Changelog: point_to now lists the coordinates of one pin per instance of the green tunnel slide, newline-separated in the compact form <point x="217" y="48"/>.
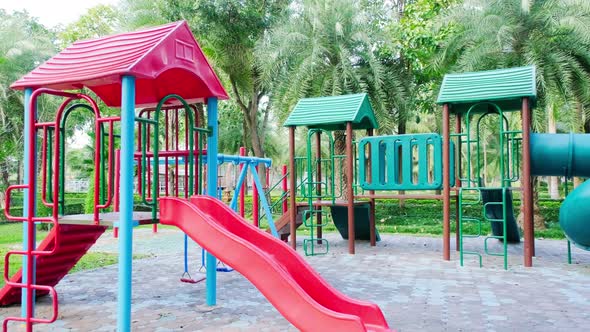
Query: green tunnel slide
<point x="567" y="155"/>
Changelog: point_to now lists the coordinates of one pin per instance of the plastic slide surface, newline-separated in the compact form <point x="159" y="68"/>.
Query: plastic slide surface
<point x="74" y="242"/>
<point x="289" y="283"/>
<point x="574" y="216"/>
<point x="567" y="155"/>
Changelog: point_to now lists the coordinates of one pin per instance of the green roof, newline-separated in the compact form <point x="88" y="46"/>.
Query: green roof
<point x="332" y="113"/>
<point x="503" y="87"/>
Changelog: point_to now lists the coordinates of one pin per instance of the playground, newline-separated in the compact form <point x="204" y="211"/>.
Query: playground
<point x="157" y="162"/>
<point x="415" y="289"/>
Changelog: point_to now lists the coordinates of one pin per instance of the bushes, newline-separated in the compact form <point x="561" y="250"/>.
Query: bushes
<point x="425" y="217"/>
<point x="74" y="205"/>
<point x="416" y="217"/>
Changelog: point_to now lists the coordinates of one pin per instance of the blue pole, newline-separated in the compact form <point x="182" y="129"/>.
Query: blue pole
<point x="126" y="203"/>
<point x="234" y="201"/>
<point x="27" y="166"/>
<point x="185" y="253"/>
<point x="212" y="191"/>
<point x="263" y="200"/>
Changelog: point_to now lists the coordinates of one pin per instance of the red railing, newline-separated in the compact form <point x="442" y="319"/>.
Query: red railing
<point x="30" y="198"/>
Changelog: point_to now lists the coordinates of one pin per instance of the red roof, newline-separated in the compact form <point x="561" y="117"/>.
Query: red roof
<point x="165" y="59"/>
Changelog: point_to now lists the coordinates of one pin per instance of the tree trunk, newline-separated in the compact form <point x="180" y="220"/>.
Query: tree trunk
<point x="526" y="5"/>
<point x="581" y="128"/>
<point x="401" y="130"/>
<point x="553" y="183"/>
<point x="538" y="219"/>
<point x="252" y="128"/>
<point x="339" y="170"/>
<point x="18" y="172"/>
<point x="5" y="175"/>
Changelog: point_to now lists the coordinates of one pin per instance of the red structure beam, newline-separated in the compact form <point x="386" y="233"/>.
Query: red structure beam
<point x="349" y="189"/>
<point x="527" y="188"/>
<point x="292" y="204"/>
<point x="446" y="185"/>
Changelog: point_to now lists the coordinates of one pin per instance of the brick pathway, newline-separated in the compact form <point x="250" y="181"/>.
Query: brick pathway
<point x="404" y="275"/>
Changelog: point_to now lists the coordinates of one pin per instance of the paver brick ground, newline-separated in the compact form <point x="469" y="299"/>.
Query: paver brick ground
<point x="404" y="275"/>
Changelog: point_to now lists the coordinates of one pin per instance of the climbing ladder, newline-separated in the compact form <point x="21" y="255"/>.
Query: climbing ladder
<point x="473" y="197"/>
<point x="47" y="263"/>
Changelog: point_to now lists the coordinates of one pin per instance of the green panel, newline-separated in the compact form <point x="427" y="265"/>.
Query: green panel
<point x="385" y="164"/>
<point x="504" y="87"/>
<point x="332" y="113"/>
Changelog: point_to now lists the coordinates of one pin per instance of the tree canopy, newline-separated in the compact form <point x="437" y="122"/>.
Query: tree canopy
<point x="270" y="53"/>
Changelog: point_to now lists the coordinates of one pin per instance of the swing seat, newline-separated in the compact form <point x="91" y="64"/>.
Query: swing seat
<point x="186" y="278"/>
<point x="192" y="281"/>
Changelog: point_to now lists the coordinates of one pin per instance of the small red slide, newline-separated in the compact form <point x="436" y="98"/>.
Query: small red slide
<point x="289" y="283"/>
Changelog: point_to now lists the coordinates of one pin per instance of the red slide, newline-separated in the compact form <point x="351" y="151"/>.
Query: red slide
<point x="74" y="242"/>
<point x="299" y="293"/>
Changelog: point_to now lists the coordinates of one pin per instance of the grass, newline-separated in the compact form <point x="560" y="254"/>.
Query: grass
<point x="11" y="238"/>
<point x="12" y="233"/>
<point x="424" y="218"/>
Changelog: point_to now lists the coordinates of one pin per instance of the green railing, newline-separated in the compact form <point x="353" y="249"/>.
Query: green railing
<point x="471" y="197"/>
<point x="191" y="130"/>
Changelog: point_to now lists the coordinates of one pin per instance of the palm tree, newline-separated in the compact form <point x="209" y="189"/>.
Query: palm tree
<point x="25" y="44"/>
<point x="325" y="48"/>
<point x="553" y="35"/>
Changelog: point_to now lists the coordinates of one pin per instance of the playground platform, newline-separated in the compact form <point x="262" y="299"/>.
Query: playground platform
<point x="106" y="219"/>
<point x="405" y="277"/>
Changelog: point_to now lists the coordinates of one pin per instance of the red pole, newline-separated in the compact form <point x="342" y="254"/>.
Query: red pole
<point x="116" y="206"/>
<point x="243" y="187"/>
<point x="527" y="188"/>
<point x="292" y="203"/>
<point x="255" y="202"/>
<point x="372" y="228"/>
<point x="197" y="158"/>
<point x="186" y="135"/>
<point x="446" y="185"/>
<point x="97" y="160"/>
<point x="176" y="167"/>
<point x="149" y="164"/>
<point x="457" y="178"/>
<point x="284" y="173"/>
<point x="139" y="160"/>
<point x="349" y="189"/>
<point x="166" y="142"/>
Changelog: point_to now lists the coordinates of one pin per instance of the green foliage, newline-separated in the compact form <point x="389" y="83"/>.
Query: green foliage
<point x="98" y="21"/>
<point x="554" y="35"/>
<point x="89" y="200"/>
<point x="227" y="30"/>
<point x="415" y="39"/>
<point x="80" y="162"/>
<point x="230" y="30"/>
<point x="11" y="237"/>
<point x="25" y="44"/>
<point x="231" y="124"/>
<point x="326" y="48"/>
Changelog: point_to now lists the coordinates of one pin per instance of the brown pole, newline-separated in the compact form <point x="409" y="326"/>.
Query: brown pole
<point x="318" y="146"/>
<point x="527" y="193"/>
<point x="372" y="231"/>
<point x="292" y="191"/>
<point x="446" y="185"/>
<point x="349" y="189"/>
<point x="457" y="177"/>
